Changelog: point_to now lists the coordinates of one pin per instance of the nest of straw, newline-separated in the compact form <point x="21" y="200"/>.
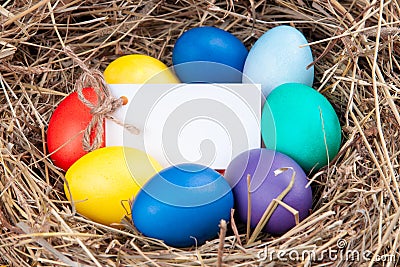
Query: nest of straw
<point x="356" y="45"/>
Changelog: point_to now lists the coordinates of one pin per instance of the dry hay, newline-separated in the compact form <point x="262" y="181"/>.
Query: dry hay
<point x="357" y="47"/>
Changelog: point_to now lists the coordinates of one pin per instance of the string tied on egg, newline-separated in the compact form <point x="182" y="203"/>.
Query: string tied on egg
<point x="103" y="109"/>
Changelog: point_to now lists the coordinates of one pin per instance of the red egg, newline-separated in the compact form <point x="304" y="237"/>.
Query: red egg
<point x="222" y="172"/>
<point x="66" y="128"/>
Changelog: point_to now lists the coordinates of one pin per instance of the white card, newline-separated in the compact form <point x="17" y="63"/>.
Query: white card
<point x="208" y="124"/>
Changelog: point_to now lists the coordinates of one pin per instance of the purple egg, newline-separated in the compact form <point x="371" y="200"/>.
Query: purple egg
<point x="265" y="186"/>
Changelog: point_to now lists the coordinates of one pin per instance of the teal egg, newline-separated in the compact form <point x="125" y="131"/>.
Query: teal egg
<point x="301" y="123"/>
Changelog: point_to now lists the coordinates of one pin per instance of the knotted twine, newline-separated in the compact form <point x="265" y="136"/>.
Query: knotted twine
<point x="105" y="106"/>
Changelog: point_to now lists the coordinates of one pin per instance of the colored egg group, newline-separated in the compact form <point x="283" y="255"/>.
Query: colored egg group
<point x="103" y="182"/>
<point x="183" y="205"/>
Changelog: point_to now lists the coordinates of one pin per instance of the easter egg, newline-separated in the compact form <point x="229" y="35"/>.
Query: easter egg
<point x="66" y="127"/>
<point x="138" y="69"/>
<point x="301" y="123"/>
<point x="183" y="205"/>
<point x="276" y="58"/>
<point x="101" y="183"/>
<point x="210" y="55"/>
<point x="265" y="186"/>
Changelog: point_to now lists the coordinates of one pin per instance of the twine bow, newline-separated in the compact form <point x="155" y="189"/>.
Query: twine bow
<point x="105" y="106"/>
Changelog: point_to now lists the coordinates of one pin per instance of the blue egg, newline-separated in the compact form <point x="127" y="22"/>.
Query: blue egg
<point x="209" y="55"/>
<point x="277" y="58"/>
<point x="183" y="205"/>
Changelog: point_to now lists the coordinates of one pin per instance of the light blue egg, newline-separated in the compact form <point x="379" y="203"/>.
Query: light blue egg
<point x="276" y="58"/>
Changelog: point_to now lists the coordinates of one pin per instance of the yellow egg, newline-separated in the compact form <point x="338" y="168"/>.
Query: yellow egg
<point x="104" y="181"/>
<point x="138" y="69"/>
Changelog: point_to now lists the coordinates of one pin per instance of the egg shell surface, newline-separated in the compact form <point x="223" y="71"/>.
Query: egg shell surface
<point x="276" y="58"/>
<point x="138" y="69"/>
<point x="181" y="203"/>
<point x="209" y="55"/>
<point x="260" y="164"/>
<point x="66" y="127"/>
<point x="102" y="182"/>
<point x="301" y="123"/>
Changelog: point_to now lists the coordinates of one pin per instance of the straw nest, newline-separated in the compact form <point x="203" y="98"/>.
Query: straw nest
<point x="356" y="45"/>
